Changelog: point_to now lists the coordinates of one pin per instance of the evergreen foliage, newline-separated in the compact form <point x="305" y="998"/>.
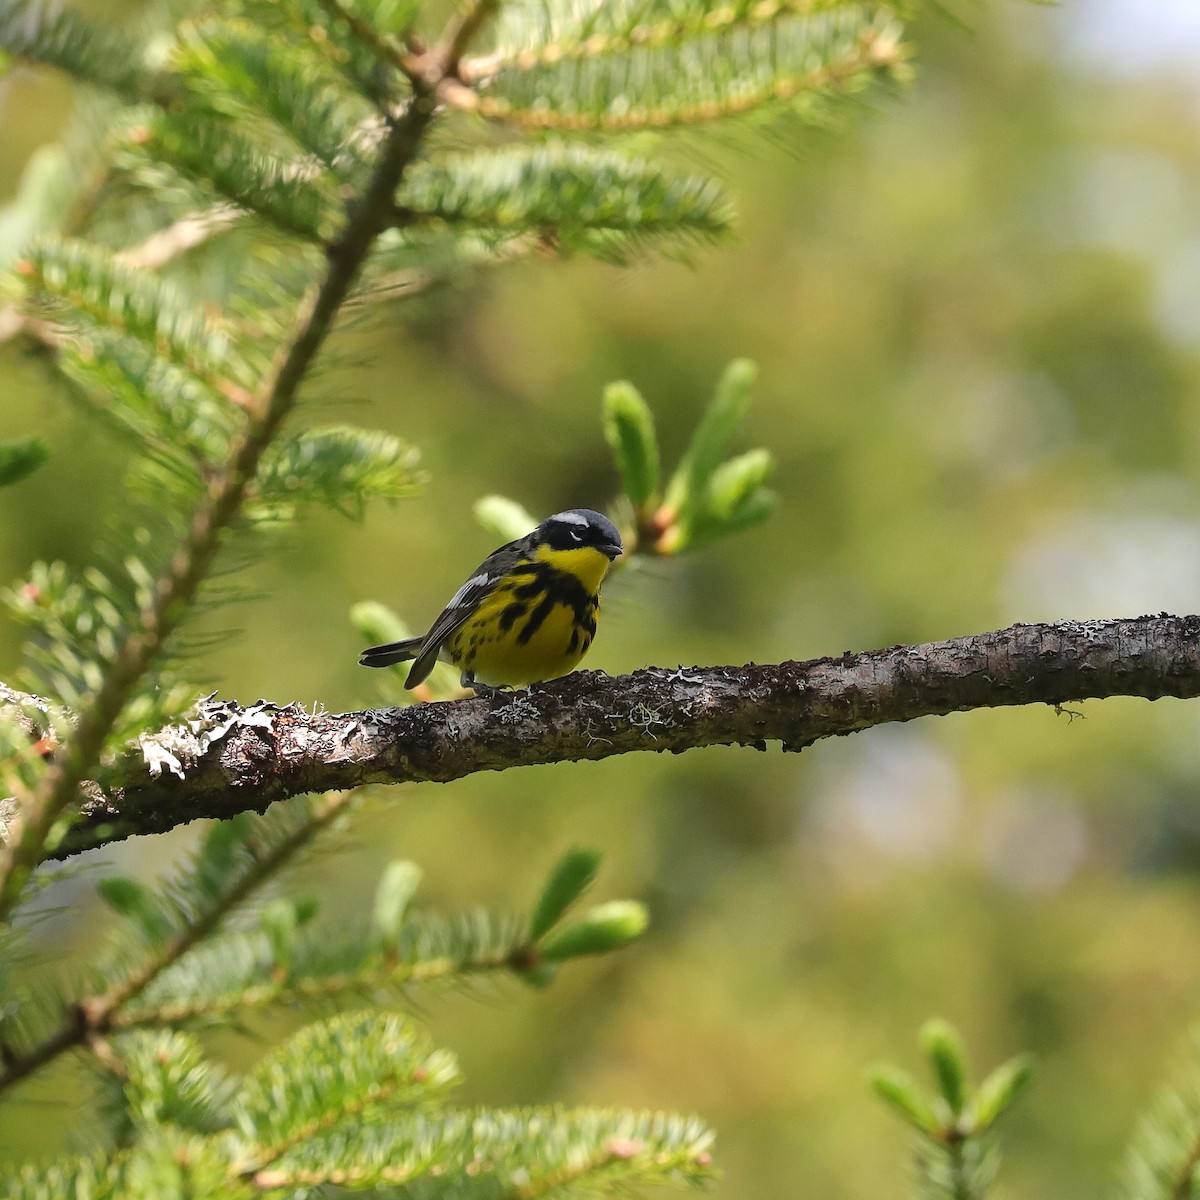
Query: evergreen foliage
<point x="1163" y="1162"/>
<point x="620" y="67"/>
<point x="595" y="201"/>
<point x="58" y="37"/>
<point x="355" y="1101"/>
<point x="956" y="1156"/>
<point x="265" y="162"/>
<point x="355" y="1098"/>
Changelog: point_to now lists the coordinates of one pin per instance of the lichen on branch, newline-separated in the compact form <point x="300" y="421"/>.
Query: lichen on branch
<point x="232" y="759"/>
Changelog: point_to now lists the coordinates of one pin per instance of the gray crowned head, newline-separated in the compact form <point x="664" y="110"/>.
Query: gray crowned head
<point x="579" y="527"/>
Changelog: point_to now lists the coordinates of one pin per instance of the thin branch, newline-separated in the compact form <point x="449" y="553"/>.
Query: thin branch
<point x="182" y="235"/>
<point x="580" y="43"/>
<point x="876" y="49"/>
<point x="575" y="1173"/>
<point x="270" y="1179"/>
<point x="93" y="1017"/>
<point x="460" y="32"/>
<point x="288" y="993"/>
<point x="245" y="758"/>
<point x="384" y="47"/>
<point x="156" y="251"/>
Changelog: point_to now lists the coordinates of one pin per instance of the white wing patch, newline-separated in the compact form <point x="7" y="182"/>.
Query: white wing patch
<point x="472" y="583"/>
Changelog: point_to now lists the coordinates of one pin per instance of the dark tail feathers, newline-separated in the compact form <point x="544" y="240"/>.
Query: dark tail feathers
<point x="393" y="652"/>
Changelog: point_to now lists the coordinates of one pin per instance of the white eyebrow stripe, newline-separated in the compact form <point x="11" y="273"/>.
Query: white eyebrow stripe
<point x="474" y="581"/>
<point x="570" y="518"/>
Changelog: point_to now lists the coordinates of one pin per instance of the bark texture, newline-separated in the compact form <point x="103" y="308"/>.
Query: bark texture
<point x="233" y="758"/>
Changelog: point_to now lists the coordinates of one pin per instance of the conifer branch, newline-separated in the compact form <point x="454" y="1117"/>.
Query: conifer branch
<point x="645" y="90"/>
<point x="643" y="28"/>
<point x="323" y="989"/>
<point x="235" y="759"/>
<point x="101" y="1010"/>
<point x="386" y="49"/>
<point x="110" y="296"/>
<point x="187" y="233"/>
<point x="151" y="254"/>
<point x="91" y="1018"/>
<point x="368" y="216"/>
<point x="559" y="1148"/>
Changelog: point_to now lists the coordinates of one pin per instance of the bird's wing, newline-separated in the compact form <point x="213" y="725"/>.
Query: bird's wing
<point x="461" y="605"/>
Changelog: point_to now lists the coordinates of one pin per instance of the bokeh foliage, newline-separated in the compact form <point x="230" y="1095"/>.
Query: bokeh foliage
<point x="979" y="376"/>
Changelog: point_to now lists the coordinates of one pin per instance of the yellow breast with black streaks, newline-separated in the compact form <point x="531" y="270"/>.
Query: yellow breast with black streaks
<point x="537" y="623"/>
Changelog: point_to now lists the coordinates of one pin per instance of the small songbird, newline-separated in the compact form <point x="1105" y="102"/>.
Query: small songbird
<point x="527" y="613"/>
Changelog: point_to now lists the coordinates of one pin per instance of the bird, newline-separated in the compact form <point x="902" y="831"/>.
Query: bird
<point x="527" y="613"/>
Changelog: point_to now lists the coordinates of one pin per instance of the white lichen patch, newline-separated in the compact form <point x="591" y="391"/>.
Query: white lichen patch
<point x="517" y="711"/>
<point x="594" y="738"/>
<point x="680" y="675"/>
<point x="166" y="750"/>
<point x="218" y="718"/>
<point x="642" y="716"/>
<point x="178" y="746"/>
<point x="1089" y="631"/>
<point x="373" y="721"/>
<point x="347" y="731"/>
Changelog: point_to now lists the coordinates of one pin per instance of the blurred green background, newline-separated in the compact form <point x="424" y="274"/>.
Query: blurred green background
<point x="976" y="310"/>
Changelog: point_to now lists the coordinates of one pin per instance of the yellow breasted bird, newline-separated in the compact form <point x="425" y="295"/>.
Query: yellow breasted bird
<point x="527" y="613"/>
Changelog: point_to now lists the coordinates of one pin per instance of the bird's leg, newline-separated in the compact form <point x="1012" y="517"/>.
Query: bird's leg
<point x="468" y="680"/>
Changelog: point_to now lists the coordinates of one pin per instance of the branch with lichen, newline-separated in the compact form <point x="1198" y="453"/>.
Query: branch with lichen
<point x="368" y="216"/>
<point x="232" y="759"/>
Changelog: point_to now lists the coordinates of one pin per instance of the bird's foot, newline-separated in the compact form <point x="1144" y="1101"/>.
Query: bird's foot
<point x="468" y="680"/>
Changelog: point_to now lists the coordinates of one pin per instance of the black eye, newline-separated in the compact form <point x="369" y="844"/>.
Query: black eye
<point x="578" y="537"/>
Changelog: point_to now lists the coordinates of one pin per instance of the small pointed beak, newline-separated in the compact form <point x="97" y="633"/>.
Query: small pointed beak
<point x="613" y="550"/>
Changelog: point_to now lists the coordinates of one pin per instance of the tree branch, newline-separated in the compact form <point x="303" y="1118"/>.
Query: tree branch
<point x="234" y="759"/>
<point x="176" y="587"/>
<point x="93" y="1017"/>
<point x="367" y="216"/>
